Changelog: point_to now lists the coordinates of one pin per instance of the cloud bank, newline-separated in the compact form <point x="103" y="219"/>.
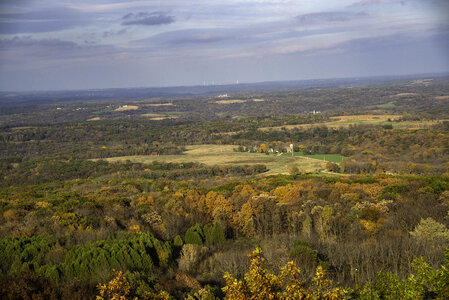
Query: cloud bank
<point x="148" y="43"/>
<point x="148" y="19"/>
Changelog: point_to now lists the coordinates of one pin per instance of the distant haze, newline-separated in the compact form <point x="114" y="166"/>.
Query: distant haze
<point x="54" y="45"/>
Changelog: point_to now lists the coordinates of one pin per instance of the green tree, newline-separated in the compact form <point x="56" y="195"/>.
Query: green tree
<point x="194" y="235"/>
<point x="214" y="233"/>
<point x="177" y="241"/>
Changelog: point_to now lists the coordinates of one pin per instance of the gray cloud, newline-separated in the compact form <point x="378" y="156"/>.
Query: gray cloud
<point x="203" y="38"/>
<point x="148" y="19"/>
<point x="367" y="2"/>
<point x="333" y="16"/>
<point x="110" y="33"/>
<point x="55" y="13"/>
<point x="260" y="37"/>
<point x="196" y="36"/>
<point x="49" y="20"/>
<point x="51" y="48"/>
<point x="235" y="36"/>
<point x="36" y="27"/>
<point x="15" y="3"/>
<point x="437" y="39"/>
<point x="192" y="37"/>
<point x="29" y="42"/>
<point x="442" y="3"/>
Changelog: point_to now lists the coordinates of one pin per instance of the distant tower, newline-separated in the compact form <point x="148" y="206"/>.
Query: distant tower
<point x="237" y="82"/>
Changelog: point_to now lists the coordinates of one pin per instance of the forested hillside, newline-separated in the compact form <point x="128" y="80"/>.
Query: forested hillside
<point x="325" y="193"/>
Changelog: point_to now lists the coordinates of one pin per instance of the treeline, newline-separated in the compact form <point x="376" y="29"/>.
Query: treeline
<point x="102" y="139"/>
<point x="396" y="97"/>
<point x="42" y="171"/>
<point x="371" y="149"/>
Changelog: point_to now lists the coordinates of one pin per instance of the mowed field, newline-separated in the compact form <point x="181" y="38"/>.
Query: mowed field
<point x="225" y="155"/>
<point x="335" y="158"/>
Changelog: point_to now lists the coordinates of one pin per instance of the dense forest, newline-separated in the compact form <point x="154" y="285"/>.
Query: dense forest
<point x="82" y="218"/>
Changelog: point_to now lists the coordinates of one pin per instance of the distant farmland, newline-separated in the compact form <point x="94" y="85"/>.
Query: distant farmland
<point x="225" y="155"/>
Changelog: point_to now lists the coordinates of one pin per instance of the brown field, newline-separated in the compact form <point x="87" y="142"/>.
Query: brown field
<point x="442" y="97"/>
<point x="224" y="155"/>
<point x="258" y="100"/>
<point x="404" y="94"/>
<point x="94" y="119"/>
<point x="158" y="117"/>
<point x="163" y="118"/>
<point x="151" y="115"/>
<point x="127" y="107"/>
<point x="230" y="101"/>
<point x="22" y="127"/>
<point x="159" y="104"/>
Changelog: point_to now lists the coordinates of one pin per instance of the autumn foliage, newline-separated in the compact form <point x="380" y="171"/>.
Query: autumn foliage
<point x="260" y="283"/>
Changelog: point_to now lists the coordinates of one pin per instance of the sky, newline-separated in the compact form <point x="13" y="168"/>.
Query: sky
<point x="88" y="44"/>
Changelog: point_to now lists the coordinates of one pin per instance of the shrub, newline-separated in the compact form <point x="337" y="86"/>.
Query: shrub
<point x="194" y="235"/>
<point x="214" y="233"/>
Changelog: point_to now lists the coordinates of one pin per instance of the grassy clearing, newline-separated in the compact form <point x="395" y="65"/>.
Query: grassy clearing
<point x="404" y="94"/>
<point x="159" y="104"/>
<point x="163" y="116"/>
<point x="335" y="158"/>
<point x="390" y="104"/>
<point x="225" y="155"/>
<point x="127" y="107"/>
<point x="152" y="115"/>
<point x="94" y="119"/>
<point x="383" y="119"/>
<point x="442" y="97"/>
<point x="366" y="118"/>
<point x="344" y="121"/>
<point x="230" y="101"/>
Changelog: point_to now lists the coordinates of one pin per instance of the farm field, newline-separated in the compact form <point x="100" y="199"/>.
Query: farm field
<point x="335" y="158"/>
<point x="343" y="121"/>
<point x="127" y="107"/>
<point x="159" y="104"/>
<point x="346" y="121"/>
<point x="230" y="101"/>
<point x="225" y="155"/>
<point x="161" y="116"/>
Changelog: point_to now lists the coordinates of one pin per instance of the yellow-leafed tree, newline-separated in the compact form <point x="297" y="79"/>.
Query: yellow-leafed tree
<point x="259" y="283"/>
